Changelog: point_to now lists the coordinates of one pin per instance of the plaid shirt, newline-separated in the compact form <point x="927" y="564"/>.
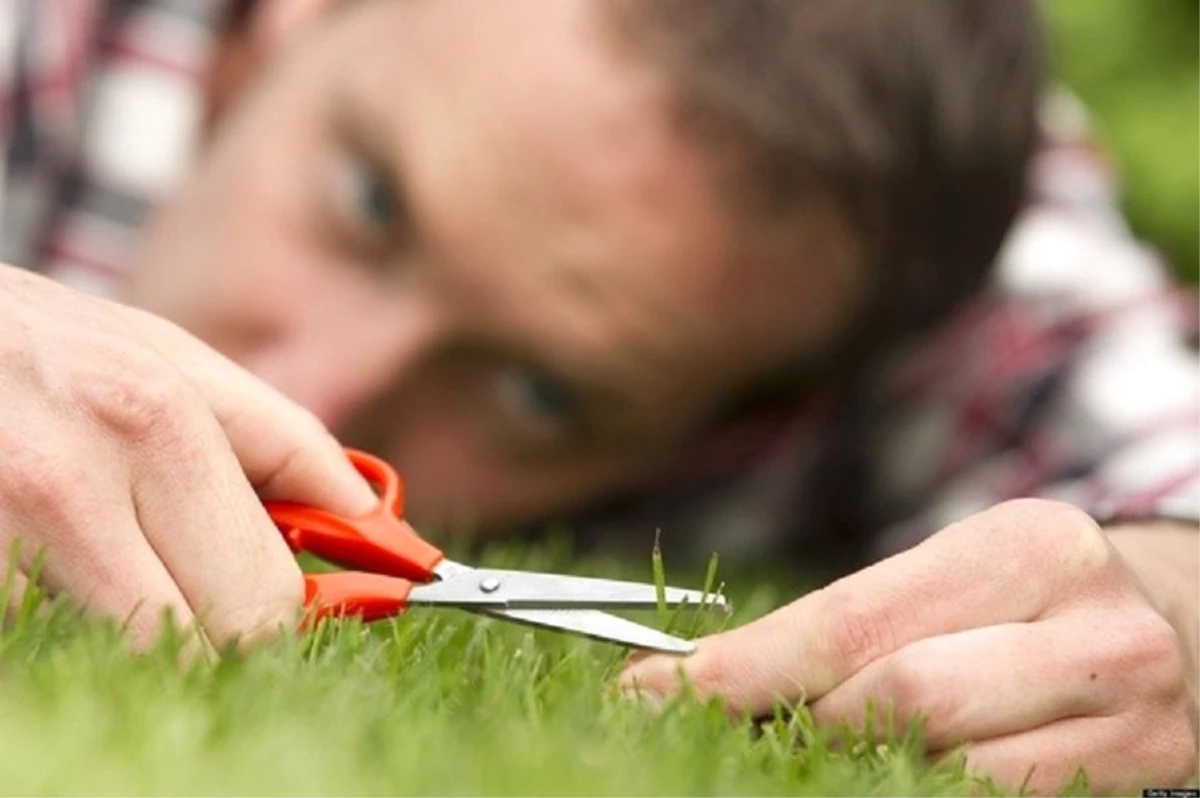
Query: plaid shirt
<point x="100" y="111"/>
<point x="1070" y="377"/>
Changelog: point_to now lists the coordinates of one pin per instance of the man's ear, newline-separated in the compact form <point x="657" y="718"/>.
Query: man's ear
<point x="256" y="31"/>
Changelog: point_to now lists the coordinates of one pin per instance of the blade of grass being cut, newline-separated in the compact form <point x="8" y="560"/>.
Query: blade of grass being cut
<point x="672" y="616"/>
<point x="710" y="579"/>
<point x="660" y="575"/>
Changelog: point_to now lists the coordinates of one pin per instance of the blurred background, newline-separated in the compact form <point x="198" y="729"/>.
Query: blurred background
<point x="1134" y="64"/>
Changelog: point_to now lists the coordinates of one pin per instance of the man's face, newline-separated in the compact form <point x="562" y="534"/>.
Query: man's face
<point x="467" y="236"/>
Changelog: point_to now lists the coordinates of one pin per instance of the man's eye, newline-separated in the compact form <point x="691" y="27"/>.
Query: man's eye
<point x="539" y="405"/>
<point x="368" y="197"/>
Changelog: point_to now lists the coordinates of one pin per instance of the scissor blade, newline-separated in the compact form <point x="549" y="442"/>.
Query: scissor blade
<point x="599" y="626"/>
<point x="589" y="623"/>
<point x="526" y="590"/>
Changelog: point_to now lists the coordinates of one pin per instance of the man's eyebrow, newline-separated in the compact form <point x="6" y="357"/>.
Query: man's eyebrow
<point x="353" y="108"/>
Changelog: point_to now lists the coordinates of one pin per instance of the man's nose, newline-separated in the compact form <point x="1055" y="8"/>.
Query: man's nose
<point x="334" y="370"/>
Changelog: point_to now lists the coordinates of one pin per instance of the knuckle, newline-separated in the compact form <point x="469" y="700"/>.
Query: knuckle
<point x="294" y="465"/>
<point x="135" y="396"/>
<point x="1157" y="638"/>
<point x="262" y="620"/>
<point x="708" y="674"/>
<point x="1141" y="658"/>
<point x="1153" y="651"/>
<point x="904" y="685"/>
<point x="1182" y="765"/>
<point x="311" y="446"/>
<point x="858" y="632"/>
<point x="1058" y="532"/>
<point x="310" y="427"/>
<point x="1077" y="536"/>
<point x="318" y="443"/>
<point x="716" y="672"/>
<point x="1148" y="635"/>
<point x="916" y="686"/>
<point x="1169" y="745"/>
<point x="42" y="480"/>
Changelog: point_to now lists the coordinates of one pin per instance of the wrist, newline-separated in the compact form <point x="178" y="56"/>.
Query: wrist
<point x="1164" y="556"/>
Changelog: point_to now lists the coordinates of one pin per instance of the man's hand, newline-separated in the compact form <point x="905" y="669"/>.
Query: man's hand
<point x="131" y="459"/>
<point x="1019" y="631"/>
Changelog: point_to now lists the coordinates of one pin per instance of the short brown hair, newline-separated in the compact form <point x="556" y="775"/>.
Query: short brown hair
<point x="915" y="117"/>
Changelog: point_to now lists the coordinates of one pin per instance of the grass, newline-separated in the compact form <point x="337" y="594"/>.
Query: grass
<point x="435" y="702"/>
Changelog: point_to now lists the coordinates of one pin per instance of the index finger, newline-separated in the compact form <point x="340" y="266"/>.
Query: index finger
<point x="285" y="452"/>
<point x="1010" y="563"/>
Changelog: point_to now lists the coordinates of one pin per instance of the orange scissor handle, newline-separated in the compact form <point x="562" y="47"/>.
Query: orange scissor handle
<point x="379" y="541"/>
<point x="369" y="596"/>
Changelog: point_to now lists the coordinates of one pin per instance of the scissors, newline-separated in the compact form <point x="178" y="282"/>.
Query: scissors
<point x="395" y="568"/>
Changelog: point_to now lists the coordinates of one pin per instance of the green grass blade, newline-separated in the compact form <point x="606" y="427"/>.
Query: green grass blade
<point x="660" y="575"/>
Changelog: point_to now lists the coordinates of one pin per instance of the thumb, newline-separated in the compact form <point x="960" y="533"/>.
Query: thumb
<point x="290" y="456"/>
<point x="749" y="668"/>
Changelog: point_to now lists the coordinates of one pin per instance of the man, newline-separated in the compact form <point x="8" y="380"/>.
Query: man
<point x="551" y="257"/>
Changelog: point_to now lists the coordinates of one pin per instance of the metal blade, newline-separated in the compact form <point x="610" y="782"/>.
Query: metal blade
<point x="526" y="590"/>
<point x="599" y="626"/>
<point x="589" y="623"/>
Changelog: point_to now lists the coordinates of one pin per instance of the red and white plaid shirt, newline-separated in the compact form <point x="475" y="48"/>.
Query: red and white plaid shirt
<point x="100" y="110"/>
<point x="1071" y="377"/>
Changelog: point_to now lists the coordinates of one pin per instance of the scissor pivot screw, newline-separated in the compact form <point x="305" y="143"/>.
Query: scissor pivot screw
<point x="489" y="585"/>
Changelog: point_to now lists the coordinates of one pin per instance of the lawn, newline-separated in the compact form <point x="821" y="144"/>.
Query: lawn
<point x="435" y="702"/>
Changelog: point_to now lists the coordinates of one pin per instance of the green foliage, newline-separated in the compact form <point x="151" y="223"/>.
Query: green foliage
<point x="435" y="702"/>
<point x="1134" y="64"/>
